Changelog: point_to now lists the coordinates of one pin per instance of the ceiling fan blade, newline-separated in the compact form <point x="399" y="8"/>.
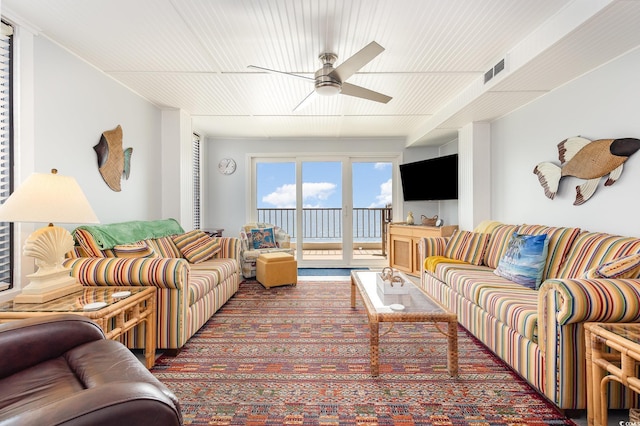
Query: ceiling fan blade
<point x="282" y="72"/>
<point x="306" y="101"/>
<point x="361" y="92"/>
<point x="357" y="61"/>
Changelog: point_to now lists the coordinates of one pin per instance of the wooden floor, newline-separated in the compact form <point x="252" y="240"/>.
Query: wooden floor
<point x="335" y="254"/>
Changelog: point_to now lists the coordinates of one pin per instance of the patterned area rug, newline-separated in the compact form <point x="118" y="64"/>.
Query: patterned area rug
<point x="299" y="355"/>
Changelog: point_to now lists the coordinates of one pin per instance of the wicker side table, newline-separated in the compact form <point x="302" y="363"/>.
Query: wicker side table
<point x="117" y="312"/>
<point x="612" y="354"/>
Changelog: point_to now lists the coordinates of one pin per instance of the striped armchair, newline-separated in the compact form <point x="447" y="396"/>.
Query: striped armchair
<point x="188" y="294"/>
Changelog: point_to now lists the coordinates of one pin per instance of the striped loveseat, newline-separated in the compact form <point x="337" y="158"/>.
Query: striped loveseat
<point x="188" y="292"/>
<point x="539" y="331"/>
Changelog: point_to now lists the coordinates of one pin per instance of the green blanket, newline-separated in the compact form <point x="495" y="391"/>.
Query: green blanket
<point x="111" y="235"/>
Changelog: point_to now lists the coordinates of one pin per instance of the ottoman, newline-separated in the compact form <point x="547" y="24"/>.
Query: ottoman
<point x="275" y="269"/>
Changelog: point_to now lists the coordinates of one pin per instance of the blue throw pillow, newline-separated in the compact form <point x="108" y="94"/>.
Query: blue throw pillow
<point x="524" y="260"/>
<point x="263" y="238"/>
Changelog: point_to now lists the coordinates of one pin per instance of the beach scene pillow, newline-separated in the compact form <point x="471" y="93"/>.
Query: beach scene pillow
<point x="263" y="238"/>
<point x="524" y="260"/>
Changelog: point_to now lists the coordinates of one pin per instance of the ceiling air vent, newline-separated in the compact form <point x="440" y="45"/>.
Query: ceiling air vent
<point x="488" y="75"/>
<point x="497" y="68"/>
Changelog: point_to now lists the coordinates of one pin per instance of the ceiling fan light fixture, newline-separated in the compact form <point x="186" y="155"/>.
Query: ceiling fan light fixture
<point x="325" y="84"/>
<point x="328" y="88"/>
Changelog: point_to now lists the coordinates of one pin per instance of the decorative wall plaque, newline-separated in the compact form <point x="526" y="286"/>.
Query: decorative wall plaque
<point x="114" y="163"/>
<point x="589" y="160"/>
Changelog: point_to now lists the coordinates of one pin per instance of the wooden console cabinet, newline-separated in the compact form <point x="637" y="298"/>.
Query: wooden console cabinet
<point x="403" y="244"/>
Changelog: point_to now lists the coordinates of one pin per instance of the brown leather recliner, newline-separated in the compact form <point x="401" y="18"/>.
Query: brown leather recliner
<point x="60" y="370"/>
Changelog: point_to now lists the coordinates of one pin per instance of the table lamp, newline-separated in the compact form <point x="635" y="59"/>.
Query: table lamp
<point x="48" y="198"/>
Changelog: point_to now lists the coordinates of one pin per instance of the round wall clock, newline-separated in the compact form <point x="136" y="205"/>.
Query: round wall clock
<point x="227" y="166"/>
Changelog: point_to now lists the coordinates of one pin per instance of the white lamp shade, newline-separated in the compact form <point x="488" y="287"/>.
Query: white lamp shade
<point x="48" y="198"/>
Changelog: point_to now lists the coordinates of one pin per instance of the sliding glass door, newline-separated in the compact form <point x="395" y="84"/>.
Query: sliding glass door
<point x="372" y="196"/>
<point x="322" y="237"/>
<point x="335" y="208"/>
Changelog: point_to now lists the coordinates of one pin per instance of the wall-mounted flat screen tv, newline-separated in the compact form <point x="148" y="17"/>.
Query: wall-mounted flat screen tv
<point x="432" y="179"/>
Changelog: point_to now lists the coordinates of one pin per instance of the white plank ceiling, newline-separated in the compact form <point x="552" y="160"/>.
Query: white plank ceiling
<point x="193" y="55"/>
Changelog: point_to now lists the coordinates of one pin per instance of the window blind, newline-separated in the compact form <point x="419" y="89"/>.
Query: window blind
<point x="6" y="132"/>
<point x="196" y="181"/>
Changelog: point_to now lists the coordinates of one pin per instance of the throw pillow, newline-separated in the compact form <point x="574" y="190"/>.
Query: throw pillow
<point x="624" y="267"/>
<point x="524" y="260"/>
<point x="139" y="249"/>
<point x="263" y="238"/>
<point x="467" y="246"/>
<point x="487" y="226"/>
<point x="196" y="246"/>
<point x="85" y="240"/>
<point x="497" y="246"/>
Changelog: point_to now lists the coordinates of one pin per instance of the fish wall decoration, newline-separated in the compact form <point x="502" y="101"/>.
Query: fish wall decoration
<point x="589" y="160"/>
<point x="114" y="163"/>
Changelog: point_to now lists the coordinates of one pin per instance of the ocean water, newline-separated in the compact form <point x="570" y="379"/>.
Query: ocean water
<point x="325" y="225"/>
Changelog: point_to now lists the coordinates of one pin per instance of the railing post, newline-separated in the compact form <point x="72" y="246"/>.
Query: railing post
<point x="383" y="225"/>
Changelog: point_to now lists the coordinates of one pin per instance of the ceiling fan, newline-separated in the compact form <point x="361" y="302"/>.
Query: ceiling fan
<point x="330" y="81"/>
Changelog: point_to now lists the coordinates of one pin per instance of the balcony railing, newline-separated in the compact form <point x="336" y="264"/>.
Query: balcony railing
<point x="369" y="224"/>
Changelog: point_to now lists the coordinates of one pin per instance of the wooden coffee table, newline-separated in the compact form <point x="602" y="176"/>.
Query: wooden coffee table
<point x="118" y="316"/>
<point x="418" y="307"/>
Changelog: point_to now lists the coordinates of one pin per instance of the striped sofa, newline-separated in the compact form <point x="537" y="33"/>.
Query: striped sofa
<point x="538" y="332"/>
<point x="188" y="294"/>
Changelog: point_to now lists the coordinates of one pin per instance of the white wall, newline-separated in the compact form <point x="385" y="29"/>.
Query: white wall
<point x="474" y="173"/>
<point x="73" y="104"/>
<point x="63" y="105"/>
<point x="600" y="105"/>
<point x="177" y="167"/>
<point x="225" y="199"/>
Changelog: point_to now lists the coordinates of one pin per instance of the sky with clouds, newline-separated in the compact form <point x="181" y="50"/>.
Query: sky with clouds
<point x="322" y="185"/>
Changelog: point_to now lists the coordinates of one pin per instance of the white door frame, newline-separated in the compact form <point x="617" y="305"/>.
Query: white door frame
<point x="347" y="160"/>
